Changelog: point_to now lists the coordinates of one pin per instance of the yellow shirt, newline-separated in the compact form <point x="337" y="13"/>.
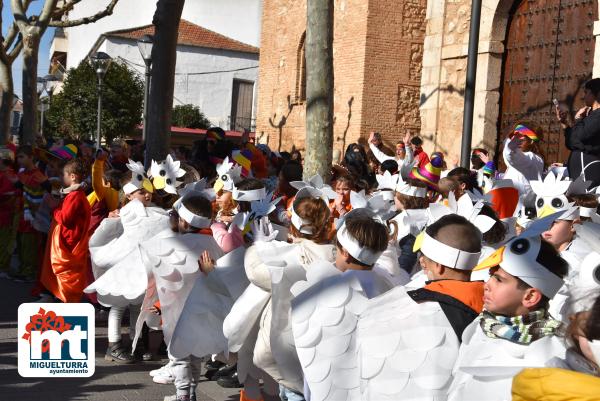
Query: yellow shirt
<point x="552" y="384"/>
<point x="101" y="191"/>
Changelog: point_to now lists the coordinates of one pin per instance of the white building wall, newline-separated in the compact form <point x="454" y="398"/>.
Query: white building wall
<point x="237" y="19"/>
<point x="212" y="93"/>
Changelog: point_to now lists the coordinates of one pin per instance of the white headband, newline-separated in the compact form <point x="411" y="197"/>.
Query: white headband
<point x="129" y="188"/>
<point x="193" y="219"/>
<point x="447" y="255"/>
<point x="249" y="195"/>
<point x="387" y="195"/>
<point x="595" y="346"/>
<point x="362" y="254"/>
<point x="300" y="223"/>
<point x="409" y="190"/>
<point x="586" y="211"/>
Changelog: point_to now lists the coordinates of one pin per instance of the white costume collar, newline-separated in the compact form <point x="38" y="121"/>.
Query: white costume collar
<point x="447" y="255"/>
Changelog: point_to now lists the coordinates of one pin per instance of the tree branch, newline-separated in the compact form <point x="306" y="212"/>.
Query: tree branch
<point x="66" y="7"/>
<point x="47" y="12"/>
<point x="86" y="20"/>
<point x="18" y="10"/>
<point x="14" y="53"/>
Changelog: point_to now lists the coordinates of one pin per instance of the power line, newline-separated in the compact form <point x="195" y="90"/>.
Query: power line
<point x="194" y="73"/>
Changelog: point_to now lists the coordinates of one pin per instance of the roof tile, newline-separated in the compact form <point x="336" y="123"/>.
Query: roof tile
<point x="190" y="35"/>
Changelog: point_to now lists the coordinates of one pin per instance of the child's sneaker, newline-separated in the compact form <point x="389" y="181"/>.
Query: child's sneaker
<point x="163" y="375"/>
<point x="154" y="372"/>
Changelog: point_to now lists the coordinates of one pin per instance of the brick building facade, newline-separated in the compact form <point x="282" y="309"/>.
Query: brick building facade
<point x="401" y="65"/>
<point x="377" y="50"/>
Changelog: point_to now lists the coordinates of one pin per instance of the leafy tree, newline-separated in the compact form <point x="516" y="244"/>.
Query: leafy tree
<point x="189" y="116"/>
<point x="73" y="112"/>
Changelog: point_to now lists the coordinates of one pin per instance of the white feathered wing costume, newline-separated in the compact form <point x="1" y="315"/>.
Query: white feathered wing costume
<point x="354" y="348"/>
<point x="121" y="276"/>
<point x="173" y="262"/>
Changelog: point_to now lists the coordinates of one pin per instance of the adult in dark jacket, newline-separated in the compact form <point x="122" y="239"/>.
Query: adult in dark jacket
<point x="582" y="137"/>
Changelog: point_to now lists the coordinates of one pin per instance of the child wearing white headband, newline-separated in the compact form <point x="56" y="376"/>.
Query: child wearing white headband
<point x="515" y="330"/>
<point x="195" y="214"/>
<point x="411" y="201"/>
<point x="360" y="241"/>
<point x="274" y="266"/>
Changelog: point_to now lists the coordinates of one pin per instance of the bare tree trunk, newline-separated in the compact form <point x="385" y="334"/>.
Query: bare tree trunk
<point x="6" y="101"/>
<point x="30" y="97"/>
<point x="162" y="83"/>
<point x="319" y="88"/>
<point x="32" y="28"/>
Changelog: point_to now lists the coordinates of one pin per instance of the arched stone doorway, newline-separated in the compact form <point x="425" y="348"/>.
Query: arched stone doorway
<point x="444" y="68"/>
<point x="549" y="54"/>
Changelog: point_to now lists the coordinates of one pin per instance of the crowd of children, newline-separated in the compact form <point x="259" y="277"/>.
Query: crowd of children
<point x="404" y="278"/>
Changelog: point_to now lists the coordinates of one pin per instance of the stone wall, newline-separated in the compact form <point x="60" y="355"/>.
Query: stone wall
<point x="444" y="73"/>
<point x="377" y="49"/>
<point x="393" y="68"/>
<point x="281" y="111"/>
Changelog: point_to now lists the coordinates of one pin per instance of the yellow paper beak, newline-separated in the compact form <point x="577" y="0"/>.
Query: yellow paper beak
<point x="493" y="260"/>
<point x="218" y="186"/>
<point x="159" y="182"/>
<point x="546" y="211"/>
<point x="418" y="242"/>
<point x="147" y="185"/>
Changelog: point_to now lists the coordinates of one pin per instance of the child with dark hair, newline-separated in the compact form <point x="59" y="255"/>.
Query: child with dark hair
<point x="466" y="179"/>
<point x="360" y="241"/>
<point x="65" y="274"/>
<point x="421" y="158"/>
<point x="195" y="219"/>
<point x="515" y="329"/>
<point x="343" y="185"/>
<point x="390" y="166"/>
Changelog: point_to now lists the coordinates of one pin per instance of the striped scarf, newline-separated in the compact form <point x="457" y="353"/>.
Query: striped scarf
<point x="522" y="329"/>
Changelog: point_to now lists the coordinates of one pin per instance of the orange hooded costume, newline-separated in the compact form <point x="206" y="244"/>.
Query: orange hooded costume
<point x="64" y="272"/>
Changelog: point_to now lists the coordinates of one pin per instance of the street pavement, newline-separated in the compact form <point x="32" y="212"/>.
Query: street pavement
<point x="110" y="382"/>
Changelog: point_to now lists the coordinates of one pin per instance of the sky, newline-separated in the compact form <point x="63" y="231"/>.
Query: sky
<point x="43" y="61"/>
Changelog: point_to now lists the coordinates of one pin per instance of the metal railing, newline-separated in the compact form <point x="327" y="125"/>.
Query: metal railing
<point x="241" y="123"/>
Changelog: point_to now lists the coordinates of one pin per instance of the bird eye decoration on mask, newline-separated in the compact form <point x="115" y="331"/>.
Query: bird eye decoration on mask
<point x="551" y="194"/>
<point x="164" y="174"/>
<point x="228" y="174"/>
<point x="139" y="179"/>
